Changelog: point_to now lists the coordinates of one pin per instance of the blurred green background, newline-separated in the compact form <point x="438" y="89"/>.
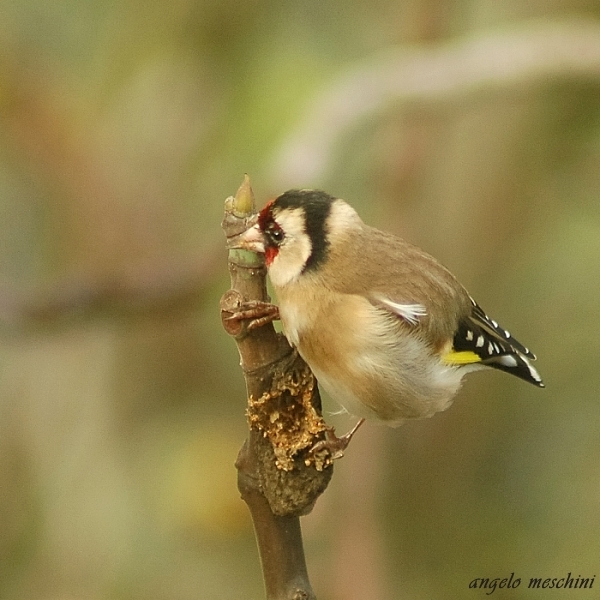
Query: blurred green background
<point x="470" y="127"/>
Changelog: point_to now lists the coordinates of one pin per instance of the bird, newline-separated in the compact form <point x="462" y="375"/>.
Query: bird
<point x="387" y="330"/>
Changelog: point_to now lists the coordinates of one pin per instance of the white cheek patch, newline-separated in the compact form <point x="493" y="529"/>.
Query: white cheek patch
<point x="342" y="219"/>
<point x="295" y="249"/>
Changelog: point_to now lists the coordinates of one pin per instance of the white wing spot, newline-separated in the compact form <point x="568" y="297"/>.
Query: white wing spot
<point x="508" y="360"/>
<point x="409" y="312"/>
<point x="469" y="335"/>
<point x="506" y="334"/>
<point x="480" y="341"/>
<point x="533" y="372"/>
<point x="494" y="323"/>
<point x="490" y="348"/>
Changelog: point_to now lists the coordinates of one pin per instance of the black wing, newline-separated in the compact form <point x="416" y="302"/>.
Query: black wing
<point x="495" y="346"/>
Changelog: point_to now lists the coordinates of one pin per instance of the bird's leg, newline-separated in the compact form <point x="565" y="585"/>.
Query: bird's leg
<point x="257" y="313"/>
<point x="335" y="445"/>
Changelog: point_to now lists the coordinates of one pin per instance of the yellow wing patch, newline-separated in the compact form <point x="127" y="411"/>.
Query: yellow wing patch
<point x="462" y="357"/>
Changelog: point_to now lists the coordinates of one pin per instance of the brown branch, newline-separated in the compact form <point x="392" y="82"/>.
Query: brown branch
<point x="279" y="477"/>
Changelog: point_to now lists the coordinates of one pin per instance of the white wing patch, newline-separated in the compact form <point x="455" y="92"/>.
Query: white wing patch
<point x="411" y="313"/>
<point x="508" y="360"/>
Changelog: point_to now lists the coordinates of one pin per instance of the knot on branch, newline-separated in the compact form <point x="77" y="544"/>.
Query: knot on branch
<point x="287" y="416"/>
<point x="286" y="423"/>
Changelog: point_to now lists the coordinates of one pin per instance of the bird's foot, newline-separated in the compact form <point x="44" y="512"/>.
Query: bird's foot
<point x="256" y="312"/>
<point x="334" y="445"/>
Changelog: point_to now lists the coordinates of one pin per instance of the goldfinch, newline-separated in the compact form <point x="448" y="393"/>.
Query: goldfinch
<point x="388" y="331"/>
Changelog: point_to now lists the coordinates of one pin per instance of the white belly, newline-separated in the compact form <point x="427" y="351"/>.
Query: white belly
<point x="354" y="351"/>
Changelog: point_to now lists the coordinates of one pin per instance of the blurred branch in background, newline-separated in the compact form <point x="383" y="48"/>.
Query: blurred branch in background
<point x="484" y="64"/>
<point x="529" y="55"/>
<point x="142" y="289"/>
<point x="468" y="128"/>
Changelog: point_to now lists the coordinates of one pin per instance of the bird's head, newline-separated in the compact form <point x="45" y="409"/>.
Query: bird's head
<point x="294" y="232"/>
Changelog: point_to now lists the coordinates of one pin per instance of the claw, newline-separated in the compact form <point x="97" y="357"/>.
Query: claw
<point x="334" y="445"/>
<point x="257" y="313"/>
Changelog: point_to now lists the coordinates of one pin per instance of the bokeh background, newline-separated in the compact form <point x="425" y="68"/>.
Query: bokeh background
<point x="470" y="127"/>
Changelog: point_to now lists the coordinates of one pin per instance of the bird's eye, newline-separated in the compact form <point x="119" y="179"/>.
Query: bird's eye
<point x="275" y="233"/>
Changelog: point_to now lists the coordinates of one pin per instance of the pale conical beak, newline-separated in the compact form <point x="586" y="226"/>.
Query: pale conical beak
<point x="252" y="239"/>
